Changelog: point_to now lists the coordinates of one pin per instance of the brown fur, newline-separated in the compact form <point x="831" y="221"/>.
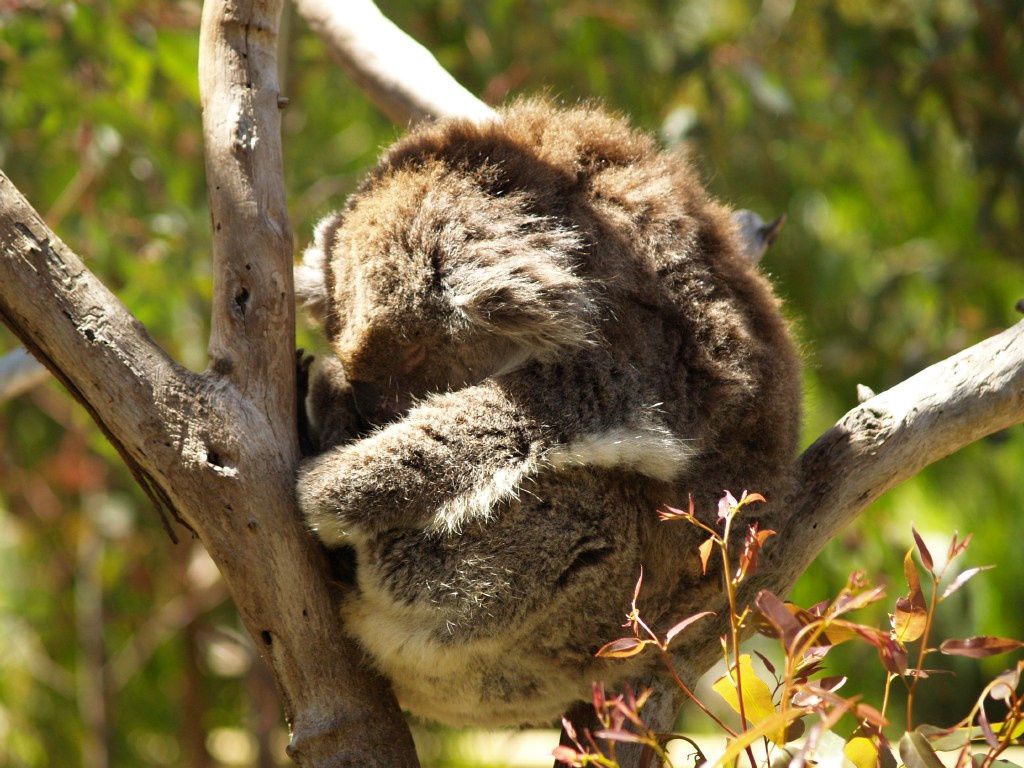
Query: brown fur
<point x="555" y="330"/>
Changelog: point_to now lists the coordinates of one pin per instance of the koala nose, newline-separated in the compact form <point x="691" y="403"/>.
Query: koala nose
<point x="372" y="406"/>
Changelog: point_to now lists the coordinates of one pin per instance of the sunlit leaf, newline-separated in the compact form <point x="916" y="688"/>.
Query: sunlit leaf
<point x="671" y="513"/>
<point x="567" y="755"/>
<point x="778" y="722"/>
<point x="757" y="696"/>
<point x="705" y="555"/>
<point x="752" y="546"/>
<point x="639" y="583"/>
<point x="909" y="621"/>
<point x="684" y="624"/>
<point x="979" y="647"/>
<point x="963" y="578"/>
<point x="622" y="648"/>
<point x="833" y="683"/>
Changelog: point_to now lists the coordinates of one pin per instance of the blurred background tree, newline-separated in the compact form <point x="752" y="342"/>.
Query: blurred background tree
<point x="890" y="133"/>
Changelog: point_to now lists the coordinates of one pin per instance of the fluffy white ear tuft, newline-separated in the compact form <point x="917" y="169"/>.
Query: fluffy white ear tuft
<point x="310" y="275"/>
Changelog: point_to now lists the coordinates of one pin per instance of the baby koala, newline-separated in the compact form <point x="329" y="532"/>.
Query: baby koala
<point x="544" y="330"/>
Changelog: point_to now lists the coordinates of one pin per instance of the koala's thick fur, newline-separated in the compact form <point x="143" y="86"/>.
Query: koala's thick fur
<point x="545" y="329"/>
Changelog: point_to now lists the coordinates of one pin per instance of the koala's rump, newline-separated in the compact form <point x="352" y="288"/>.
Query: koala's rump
<point x="498" y="624"/>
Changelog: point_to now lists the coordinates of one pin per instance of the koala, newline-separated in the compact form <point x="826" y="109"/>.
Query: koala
<point x="543" y="330"/>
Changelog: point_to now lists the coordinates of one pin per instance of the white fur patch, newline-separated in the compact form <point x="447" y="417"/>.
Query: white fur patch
<point x="652" y="451"/>
<point x="502" y="485"/>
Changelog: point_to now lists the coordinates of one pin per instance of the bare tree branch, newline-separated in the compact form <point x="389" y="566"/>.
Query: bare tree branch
<point x="399" y="75"/>
<point x="893" y="436"/>
<point x="872" y="449"/>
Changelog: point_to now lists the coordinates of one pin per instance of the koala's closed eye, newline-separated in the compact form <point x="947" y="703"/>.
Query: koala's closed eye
<point x="544" y="329"/>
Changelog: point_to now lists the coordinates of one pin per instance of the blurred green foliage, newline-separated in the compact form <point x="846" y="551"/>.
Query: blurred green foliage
<point x="890" y="133"/>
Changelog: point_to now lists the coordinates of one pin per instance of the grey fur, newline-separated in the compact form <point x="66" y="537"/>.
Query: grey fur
<point x="544" y="330"/>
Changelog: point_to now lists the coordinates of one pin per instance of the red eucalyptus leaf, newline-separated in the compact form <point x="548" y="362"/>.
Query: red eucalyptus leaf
<point x="597" y="697"/>
<point x="767" y="664"/>
<point x="779" y="616"/>
<point x="852" y="601"/>
<point x="916" y="596"/>
<point x="922" y="550"/>
<point x="955" y="548"/>
<point x="979" y="647"/>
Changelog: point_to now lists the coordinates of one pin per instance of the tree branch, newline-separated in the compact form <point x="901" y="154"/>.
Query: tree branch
<point x="400" y="76"/>
<point x="892" y="437"/>
<point x="872" y="449"/>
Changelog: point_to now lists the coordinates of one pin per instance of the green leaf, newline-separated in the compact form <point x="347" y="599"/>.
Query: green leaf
<point x="778" y="722"/>
<point x="917" y="752"/>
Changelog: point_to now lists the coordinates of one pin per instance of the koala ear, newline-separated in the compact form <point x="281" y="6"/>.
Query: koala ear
<point x="311" y="276"/>
<point x="525" y="290"/>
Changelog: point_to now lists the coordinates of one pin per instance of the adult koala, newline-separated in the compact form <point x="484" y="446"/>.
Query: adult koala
<point x="544" y="330"/>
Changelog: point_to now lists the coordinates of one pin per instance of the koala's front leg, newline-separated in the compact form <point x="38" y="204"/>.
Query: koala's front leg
<point x="451" y="459"/>
<point x="331" y="407"/>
